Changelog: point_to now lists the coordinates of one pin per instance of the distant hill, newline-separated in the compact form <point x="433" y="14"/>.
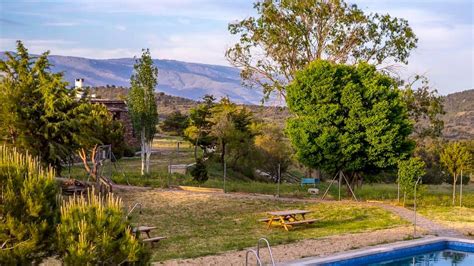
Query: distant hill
<point x="459" y="118"/>
<point x="177" y="78"/>
<point x="459" y="107"/>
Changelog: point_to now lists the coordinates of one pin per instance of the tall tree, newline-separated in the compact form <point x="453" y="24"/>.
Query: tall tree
<point x="287" y="35"/>
<point x="198" y="131"/>
<point x="347" y="118"/>
<point x="455" y="157"/>
<point x="142" y="104"/>
<point x="36" y="106"/>
<point x="274" y="150"/>
<point x="231" y="125"/>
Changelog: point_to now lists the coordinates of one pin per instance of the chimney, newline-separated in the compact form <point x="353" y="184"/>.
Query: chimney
<point x="78" y="86"/>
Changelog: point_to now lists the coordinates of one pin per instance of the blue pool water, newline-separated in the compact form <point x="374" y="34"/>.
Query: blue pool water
<point x="437" y="258"/>
<point x="433" y="254"/>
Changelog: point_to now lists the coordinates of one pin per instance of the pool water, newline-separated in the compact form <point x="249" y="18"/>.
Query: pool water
<point x="432" y="253"/>
<point x="435" y="258"/>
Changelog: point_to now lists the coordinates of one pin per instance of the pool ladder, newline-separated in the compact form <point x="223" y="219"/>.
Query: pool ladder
<point x="256" y="253"/>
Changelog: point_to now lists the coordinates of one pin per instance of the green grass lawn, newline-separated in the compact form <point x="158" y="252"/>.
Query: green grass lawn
<point x="203" y="224"/>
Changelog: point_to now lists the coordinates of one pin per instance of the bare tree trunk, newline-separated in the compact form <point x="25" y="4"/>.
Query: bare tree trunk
<point x="454" y="187"/>
<point x="142" y="153"/>
<point x="196" y="145"/>
<point x="148" y="155"/>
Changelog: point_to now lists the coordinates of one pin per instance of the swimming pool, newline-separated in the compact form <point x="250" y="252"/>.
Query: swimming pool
<point x="432" y="251"/>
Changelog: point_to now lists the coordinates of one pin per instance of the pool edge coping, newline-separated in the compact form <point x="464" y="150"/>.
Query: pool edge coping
<point x="371" y="250"/>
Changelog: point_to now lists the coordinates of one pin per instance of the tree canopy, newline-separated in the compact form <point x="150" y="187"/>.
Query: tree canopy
<point x="36" y="107"/>
<point x="286" y="35"/>
<point x="349" y="118"/>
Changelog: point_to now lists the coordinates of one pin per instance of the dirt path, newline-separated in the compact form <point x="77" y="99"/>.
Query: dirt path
<point x="421" y="221"/>
<point x="305" y="248"/>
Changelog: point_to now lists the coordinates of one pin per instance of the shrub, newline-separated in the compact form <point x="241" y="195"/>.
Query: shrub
<point x="199" y="171"/>
<point x="94" y="230"/>
<point x="408" y="173"/>
<point x="28" y="208"/>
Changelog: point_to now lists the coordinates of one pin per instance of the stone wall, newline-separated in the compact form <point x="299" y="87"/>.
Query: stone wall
<point x="119" y="111"/>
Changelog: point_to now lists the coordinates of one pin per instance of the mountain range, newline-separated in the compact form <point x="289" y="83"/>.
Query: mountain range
<point x="177" y="78"/>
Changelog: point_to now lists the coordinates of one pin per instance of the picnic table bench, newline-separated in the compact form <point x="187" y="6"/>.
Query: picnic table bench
<point x="288" y="218"/>
<point x="146" y="230"/>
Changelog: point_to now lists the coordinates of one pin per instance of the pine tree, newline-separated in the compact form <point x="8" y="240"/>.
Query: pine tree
<point x="35" y="109"/>
<point x="94" y="231"/>
<point x="142" y="105"/>
<point x="28" y="208"/>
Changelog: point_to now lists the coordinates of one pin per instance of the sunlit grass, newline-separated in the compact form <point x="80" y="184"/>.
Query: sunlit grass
<point x="204" y="224"/>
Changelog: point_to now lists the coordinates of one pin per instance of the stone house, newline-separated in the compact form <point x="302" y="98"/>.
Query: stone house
<point x="119" y="111"/>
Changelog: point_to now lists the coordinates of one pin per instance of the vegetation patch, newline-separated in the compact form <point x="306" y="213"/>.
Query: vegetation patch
<point x="204" y="224"/>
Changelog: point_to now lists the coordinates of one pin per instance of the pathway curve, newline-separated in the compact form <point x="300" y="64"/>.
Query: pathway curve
<point x="421" y="221"/>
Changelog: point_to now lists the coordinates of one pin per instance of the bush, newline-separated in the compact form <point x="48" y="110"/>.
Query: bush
<point x="94" y="230"/>
<point x="28" y="209"/>
<point x="199" y="171"/>
<point x="129" y="151"/>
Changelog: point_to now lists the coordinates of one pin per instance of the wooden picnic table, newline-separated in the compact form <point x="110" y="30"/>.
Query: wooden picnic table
<point x="288" y="218"/>
<point x="147" y="230"/>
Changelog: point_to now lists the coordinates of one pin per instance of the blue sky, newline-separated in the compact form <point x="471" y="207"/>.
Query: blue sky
<point x="196" y="31"/>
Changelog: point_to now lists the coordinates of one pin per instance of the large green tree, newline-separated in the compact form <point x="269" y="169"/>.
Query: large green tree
<point x="347" y="118"/>
<point x="142" y="104"/>
<point x="36" y="106"/>
<point x="286" y="35"/>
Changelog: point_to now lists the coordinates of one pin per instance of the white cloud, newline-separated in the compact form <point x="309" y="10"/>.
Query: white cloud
<point x="61" y="24"/>
<point x="120" y="28"/>
<point x="201" y="47"/>
<point x="67" y="48"/>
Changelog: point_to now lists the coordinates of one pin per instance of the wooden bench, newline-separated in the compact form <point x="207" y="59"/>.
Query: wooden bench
<point x="153" y="240"/>
<point x="308" y="221"/>
<point x="309" y="181"/>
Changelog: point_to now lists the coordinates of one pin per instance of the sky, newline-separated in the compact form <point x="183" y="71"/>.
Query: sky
<point x="196" y="31"/>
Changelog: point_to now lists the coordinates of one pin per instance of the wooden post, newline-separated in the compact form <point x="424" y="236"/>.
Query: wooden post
<point x="339" y="185"/>
<point x="225" y="174"/>
<point x="279" y="178"/>
<point x="225" y="169"/>
<point x="460" y="192"/>
<point x="398" y="191"/>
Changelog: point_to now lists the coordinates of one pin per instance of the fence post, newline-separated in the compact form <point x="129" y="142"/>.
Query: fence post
<point x="279" y="179"/>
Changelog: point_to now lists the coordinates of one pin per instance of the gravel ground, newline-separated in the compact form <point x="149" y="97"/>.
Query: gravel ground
<point x="305" y="248"/>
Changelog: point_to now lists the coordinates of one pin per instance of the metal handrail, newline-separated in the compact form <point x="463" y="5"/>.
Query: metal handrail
<point x="268" y="247"/>
<point x="259" y="262"/>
